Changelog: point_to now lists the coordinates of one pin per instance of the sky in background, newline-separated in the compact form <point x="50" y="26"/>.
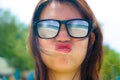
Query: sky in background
<point x="106" y="11"/>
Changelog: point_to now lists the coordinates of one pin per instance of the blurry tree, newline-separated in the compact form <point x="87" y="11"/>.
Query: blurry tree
<point x="111" y="64"/>
<point x="13" y="41"/>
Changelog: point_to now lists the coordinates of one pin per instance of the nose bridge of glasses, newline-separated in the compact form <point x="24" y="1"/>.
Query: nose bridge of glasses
<point x="63" y="21"/>
<point x="63" y="25"/>
<point x="63" y="28"/>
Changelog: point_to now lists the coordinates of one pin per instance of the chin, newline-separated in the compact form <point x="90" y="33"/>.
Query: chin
<point x="65" y="66"/>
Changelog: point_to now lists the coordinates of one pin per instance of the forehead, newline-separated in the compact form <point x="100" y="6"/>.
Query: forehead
<point x="60" y="11"/>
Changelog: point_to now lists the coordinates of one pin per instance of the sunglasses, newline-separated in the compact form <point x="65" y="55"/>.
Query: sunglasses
<point x="50" y="28"/>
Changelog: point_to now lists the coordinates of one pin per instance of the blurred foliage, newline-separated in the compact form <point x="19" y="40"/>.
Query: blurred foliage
<point x="111" y="64"/>
<point x="13" y="41"/>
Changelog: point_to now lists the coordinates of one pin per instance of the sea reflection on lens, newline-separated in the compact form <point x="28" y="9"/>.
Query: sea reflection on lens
<point x="78" y="28"/>
<point x="78" y="32"/>
<point x="47" y="29"/>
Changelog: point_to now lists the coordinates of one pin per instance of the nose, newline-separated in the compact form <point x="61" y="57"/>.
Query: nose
<point x="63" y="35"/>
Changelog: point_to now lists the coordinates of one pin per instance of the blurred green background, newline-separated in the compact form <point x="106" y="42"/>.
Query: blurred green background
<point x="13" y="43"/>
<point x="13" y="48"/>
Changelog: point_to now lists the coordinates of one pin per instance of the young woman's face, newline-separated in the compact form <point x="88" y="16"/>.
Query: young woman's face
<point x="62" y="53"/>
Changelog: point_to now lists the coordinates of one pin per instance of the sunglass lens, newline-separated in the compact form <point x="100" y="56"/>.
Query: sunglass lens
<point x="78" y="28"/>
<point x="48" y="29"/>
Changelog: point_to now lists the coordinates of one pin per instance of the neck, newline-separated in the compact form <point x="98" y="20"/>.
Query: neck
<point x="63" y="75"/>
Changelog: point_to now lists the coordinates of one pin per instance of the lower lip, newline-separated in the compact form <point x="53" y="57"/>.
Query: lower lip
<point x="64" y="50"/>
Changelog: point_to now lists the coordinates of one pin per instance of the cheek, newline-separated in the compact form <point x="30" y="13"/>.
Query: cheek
<point x="80" y="50"/>
<point x="45" y="43"/>
<point x="81" y="45"/>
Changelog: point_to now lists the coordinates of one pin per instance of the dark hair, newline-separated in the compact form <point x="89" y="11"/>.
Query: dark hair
<point x="91" y="65"/>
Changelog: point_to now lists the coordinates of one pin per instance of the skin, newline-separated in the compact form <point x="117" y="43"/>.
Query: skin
<point x="63" y="66"/>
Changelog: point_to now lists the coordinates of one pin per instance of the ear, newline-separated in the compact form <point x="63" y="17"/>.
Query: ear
<point x="92" y="40"/>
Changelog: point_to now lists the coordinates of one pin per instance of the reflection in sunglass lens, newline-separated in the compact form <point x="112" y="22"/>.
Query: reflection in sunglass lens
<point x="47" y="29"/>
<point x="78" y="28"/>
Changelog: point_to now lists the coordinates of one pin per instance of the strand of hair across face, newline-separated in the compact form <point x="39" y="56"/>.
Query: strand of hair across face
<point x="50" y="52"/>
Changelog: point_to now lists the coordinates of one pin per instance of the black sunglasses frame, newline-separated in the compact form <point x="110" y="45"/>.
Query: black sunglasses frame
<point x="90" y="28"/>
